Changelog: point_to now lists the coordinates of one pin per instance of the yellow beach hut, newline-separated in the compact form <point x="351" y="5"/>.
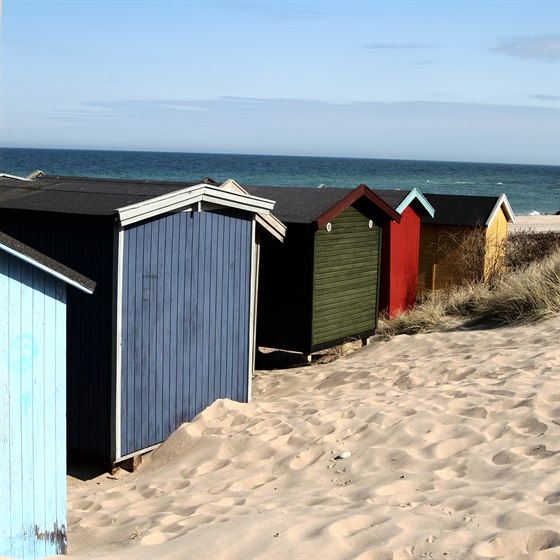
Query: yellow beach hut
<point x="464" y="240"/>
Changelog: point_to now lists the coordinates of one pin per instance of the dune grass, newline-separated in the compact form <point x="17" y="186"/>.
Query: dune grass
<point x="529" y="291"/>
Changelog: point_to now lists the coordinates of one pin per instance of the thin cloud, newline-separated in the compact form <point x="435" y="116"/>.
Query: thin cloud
<point x="544" y="97"/>
<point x="399" y="46"/>
<point x="538" y="47"/>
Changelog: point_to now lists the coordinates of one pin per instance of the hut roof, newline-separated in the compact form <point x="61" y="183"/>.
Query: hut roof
<point x="54" y="268"/>
<point x="79" y="195"/>
<point x="399" y="200"/>
<point x="307" y="205"/>
<point x="467" y="210"/>
<point x="131" y="200"/>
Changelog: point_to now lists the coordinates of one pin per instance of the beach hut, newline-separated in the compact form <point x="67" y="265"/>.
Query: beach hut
<point x="33" y="400"/>
<point x="320" y="287"/>
<point x="400" y="249"/>
<point x="170" y="328"/>
<point x="464" y="240"/>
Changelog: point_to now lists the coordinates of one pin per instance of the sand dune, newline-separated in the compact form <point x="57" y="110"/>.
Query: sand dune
<point x="453" y="442"/>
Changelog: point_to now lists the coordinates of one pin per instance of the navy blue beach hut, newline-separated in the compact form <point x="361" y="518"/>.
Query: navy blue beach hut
<point x="33" y="400"/>
<point x="170" y="328"/>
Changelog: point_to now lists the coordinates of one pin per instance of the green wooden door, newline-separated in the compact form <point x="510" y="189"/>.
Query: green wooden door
<point x="345" y="278"/>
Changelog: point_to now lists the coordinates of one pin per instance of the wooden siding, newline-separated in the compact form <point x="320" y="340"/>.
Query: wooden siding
<point x="427" y="258"/>
<point x="345" y="278"/>
<point x="185" y="321"/>
<point x="449" y="255"/>
<point x="32" y="411"/>
<point x="496" y="239"/>
<point x="399" y="273"/>
<point x="85" y="245"/>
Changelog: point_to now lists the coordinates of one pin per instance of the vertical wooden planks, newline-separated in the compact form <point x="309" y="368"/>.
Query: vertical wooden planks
<point x="33" y="422"/>
<point x="191" y="346"/>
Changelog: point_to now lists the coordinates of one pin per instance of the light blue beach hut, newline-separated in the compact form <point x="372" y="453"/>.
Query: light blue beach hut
<point x="33" y="400"/>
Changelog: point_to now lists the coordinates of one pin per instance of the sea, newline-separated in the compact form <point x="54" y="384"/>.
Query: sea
<point x="531" y="189"/>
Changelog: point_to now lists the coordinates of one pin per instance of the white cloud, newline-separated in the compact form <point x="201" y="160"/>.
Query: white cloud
<point x="539" y="47"/>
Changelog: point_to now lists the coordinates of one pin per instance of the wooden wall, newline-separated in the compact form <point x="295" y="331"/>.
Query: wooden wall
<point x="345" y="278"/>
<point x="85" y="245"/>
<point x="399" y="272"/>
<point x="185" y="321"/>
<point x="32" y="411"/>
<point x="496" y="239"/>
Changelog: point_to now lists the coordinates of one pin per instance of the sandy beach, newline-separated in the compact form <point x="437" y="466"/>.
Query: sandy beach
<point x="535" y="223"/>
<point x="442" y="445"/>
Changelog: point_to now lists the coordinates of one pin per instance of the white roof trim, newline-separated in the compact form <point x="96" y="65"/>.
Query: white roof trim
<point x="502" y="203"/>
<point x="45" y="268"/>
<point x="412" y="195"/>
<point x="181" y="199"/>
<point x="273" y="225"/>
<point x="269" y="222"/>
<point x="8" y="176"/>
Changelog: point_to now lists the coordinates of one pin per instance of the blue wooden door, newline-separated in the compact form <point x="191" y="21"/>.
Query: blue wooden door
<point x="185" y="321"/>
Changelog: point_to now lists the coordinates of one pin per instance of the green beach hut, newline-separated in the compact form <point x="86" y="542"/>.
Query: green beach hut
<point x="320" y="287"/>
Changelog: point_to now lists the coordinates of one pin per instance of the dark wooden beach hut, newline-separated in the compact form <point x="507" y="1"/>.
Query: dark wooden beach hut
<point x="400" y="249"/>
<point x="170" y="326"/>
<point x="464" y="240"/>
<point x="320" y="287"/>
<point x="33" y="400"/>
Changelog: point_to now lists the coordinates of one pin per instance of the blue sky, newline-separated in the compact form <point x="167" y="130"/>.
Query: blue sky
<point x="445" y="80"/>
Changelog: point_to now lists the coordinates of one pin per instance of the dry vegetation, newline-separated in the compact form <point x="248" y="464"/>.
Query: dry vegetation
<point x="528" y="291"/>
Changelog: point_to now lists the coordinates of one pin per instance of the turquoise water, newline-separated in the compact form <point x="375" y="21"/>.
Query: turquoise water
<point x="530" y="188"/>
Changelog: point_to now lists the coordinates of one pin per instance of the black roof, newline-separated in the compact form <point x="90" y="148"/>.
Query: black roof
<point x="80" y="195"/>
<point x="460" y="210"/>
<point x="42" y="259"/>
<point x="301" y="205"/>
<point x="393" y="197"/>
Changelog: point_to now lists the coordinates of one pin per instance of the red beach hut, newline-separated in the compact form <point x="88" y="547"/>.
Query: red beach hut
<point x="400" y="249"/>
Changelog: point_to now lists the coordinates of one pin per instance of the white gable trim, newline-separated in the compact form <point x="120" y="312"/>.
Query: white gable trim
<point x="412" y="195"/>
<point x="45" y="268"/>
<point x="268" y="221"/>
<point x="8" y="176"/>
<point x="502" y="203"/>
<point x="181" y="199"/>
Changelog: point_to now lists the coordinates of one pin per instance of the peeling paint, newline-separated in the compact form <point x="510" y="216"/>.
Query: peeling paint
<point x="57" y="537"/>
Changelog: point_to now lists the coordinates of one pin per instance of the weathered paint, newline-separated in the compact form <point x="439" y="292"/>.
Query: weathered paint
<point x="345" y="278"/>
<point x="399" y="271"/>
<point x="32" y="401"/>
<point x="186" y="301"/>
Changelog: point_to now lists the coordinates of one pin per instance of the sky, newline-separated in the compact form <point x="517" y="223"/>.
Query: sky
<point x="444" y="80"/>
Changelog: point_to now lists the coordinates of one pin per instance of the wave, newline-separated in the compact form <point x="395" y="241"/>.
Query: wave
<point x="536" y="213"/>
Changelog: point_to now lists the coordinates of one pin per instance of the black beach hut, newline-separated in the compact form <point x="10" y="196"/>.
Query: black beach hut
<point x="169" y="328"/>
<point x="320" y="287"/>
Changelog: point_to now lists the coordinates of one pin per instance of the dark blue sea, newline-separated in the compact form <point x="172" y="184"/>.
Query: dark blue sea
<point x="531" y="189"/>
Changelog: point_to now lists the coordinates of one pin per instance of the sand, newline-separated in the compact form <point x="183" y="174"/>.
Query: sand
<point x="441" y="445"/>
<point x="535" y="223"/>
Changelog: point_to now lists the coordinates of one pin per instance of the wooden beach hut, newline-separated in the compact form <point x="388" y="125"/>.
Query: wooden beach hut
<point x="170" y="326"/>
<point x="464" y="240"/>
<point x="320" y="287"/>
<point x="33" y="400"/>
<point x="400" y="249"/>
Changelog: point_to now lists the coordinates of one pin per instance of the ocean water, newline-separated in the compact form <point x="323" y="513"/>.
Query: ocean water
<point x="531" y="189"/>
